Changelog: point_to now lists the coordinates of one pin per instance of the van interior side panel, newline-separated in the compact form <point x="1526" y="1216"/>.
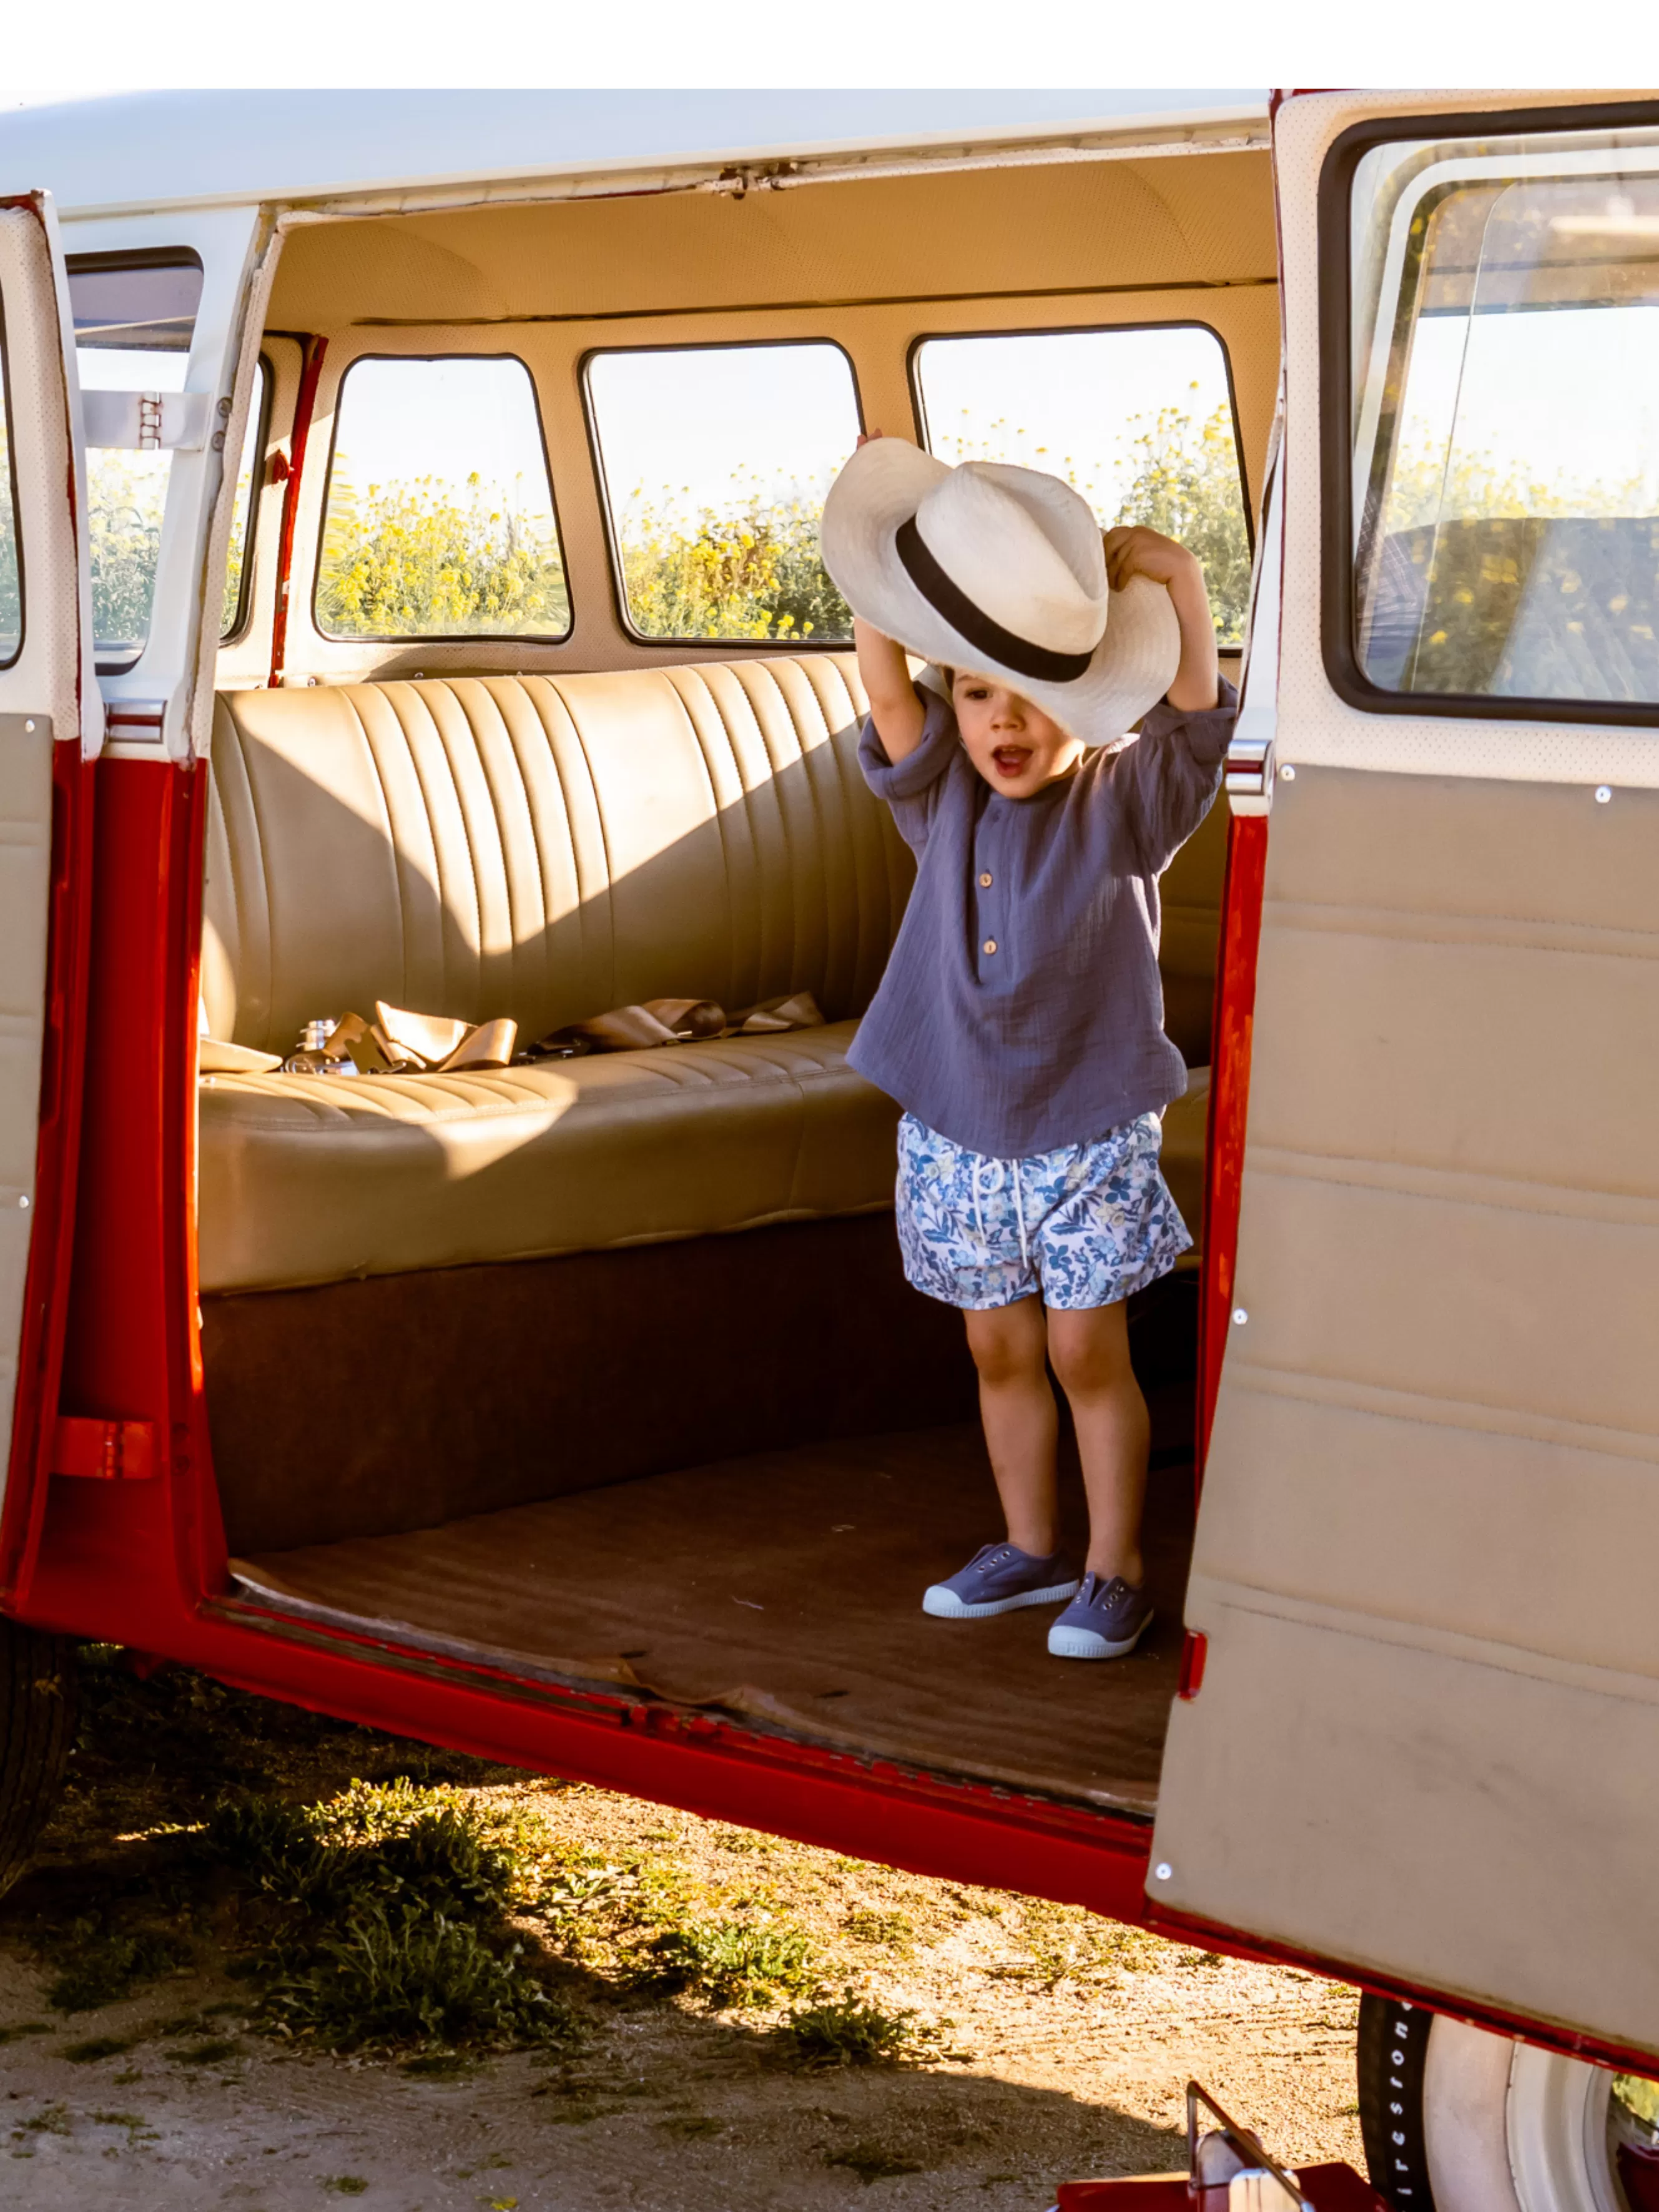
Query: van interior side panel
<point x="605" y="1368"/>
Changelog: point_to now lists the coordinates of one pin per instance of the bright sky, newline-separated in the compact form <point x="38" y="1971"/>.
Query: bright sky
<point x="683" y="425"/>
<point x="442" y="418"/>
<point x="1567" y="394"/>
<point x="1066" y="401"/>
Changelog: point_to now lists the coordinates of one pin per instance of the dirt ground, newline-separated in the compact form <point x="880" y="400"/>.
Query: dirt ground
<point x="1029" y="2042"/>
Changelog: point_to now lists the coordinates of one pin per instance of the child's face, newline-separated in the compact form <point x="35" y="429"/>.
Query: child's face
<point x="1012" y="743"/>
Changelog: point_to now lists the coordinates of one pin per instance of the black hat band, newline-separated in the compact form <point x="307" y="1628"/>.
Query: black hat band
<point x="973" y="624"/>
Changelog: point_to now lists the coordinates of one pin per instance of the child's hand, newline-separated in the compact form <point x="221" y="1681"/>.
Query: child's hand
<point x="1138" y="552"/>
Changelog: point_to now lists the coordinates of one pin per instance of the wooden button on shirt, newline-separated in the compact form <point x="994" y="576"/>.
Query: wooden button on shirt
<point x="1018" y="1025"/>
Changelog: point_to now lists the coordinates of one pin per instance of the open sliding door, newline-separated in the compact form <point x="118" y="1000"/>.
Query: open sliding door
<point x="1426" y="1741"/>
<point x="51" y="727"/>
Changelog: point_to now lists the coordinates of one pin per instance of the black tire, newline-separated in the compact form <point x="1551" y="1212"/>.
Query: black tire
<point x="38" y="1686"/>
<point x="1392" y="2051"/>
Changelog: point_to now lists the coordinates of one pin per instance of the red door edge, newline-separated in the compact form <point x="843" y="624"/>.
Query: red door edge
<point x="305" y="406"/>
<point x="62" y="1068"/>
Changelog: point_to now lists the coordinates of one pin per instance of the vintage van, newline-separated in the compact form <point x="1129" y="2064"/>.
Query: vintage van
<point x="408" y="594"/>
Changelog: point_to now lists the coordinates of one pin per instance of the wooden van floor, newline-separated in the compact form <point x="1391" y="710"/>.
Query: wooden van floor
<point x="786" y="1586"/>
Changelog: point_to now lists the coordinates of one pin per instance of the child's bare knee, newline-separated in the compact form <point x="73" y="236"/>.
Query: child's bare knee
<point x="1088" y="1360"/>
<point x="1007" y="1345"/>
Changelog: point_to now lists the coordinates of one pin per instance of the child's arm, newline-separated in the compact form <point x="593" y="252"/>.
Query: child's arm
<point x="1143" y="553"/>
<point x="895" y="710"/>
<point x="1167" y="780"/>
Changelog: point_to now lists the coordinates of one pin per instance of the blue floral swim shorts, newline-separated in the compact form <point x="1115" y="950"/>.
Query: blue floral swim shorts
<point x="1082" y="1226"/>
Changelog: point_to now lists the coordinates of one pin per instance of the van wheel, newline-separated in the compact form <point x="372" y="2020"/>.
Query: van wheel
<point x="1458" y="2120"/>
<point x="37" y="1731"/>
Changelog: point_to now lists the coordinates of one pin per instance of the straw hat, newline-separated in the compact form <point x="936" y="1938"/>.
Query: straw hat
<point x="1000" y="570"/>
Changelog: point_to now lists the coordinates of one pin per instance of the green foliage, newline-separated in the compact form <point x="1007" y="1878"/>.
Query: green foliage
<point x="391" y="1925"/>
<point x="845" y="2032"/>
<point x="751" y="570"/>
<point x="732" y="1962"/>
<point x="126" y="492"/>
<point x="97" y="1963"/>
<point x="414" y="558"/>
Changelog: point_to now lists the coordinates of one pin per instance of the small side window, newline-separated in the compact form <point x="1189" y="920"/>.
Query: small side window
<point x="715" y="461"/>
<point x="1139" y="421"/>
<point x="135" y="315"/>
<point x="244" y="515"/>
<point x="438" y="520"/>
<point x="11" y="558"/>
<point x="1503" y="497"/>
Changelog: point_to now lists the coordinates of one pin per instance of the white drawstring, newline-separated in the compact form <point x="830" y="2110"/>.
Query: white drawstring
<point x="989" y="1165"/>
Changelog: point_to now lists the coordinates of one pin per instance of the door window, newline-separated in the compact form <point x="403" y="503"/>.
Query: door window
<point x="134" y="319"/>
<point x="439" y="521"/>
<point x="250" y="472"/>
<point x="1140" y="422"/>
<point x="11" y="565"/>
<point x="715" y="462"/>
<point x="1506" y="479"/>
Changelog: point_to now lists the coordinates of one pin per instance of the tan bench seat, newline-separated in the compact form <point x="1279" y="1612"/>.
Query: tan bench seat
<point x="314" y="1178"/>
<point x="546" y="849"/>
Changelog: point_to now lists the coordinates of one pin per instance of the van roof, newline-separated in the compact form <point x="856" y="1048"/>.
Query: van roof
<point x="154" y="149"/>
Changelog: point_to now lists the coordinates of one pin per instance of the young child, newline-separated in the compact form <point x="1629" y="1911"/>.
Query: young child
<point x="1019" y="1023"/>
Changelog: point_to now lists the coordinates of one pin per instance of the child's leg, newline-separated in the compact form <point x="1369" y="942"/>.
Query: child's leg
<point x="1010" y="1344"/>
<point x="1090" y="1350"/>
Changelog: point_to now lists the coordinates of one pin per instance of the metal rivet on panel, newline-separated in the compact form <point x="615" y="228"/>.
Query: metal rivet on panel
<point x="1603" y="793"/>
<point x="1288" y="772"/>
<point x="1162" y="1870"/>
<point x="1240" y="1316"/>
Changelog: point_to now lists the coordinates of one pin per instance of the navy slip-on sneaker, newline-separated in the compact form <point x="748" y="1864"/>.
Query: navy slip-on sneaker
<point x="1103" y="1621"/>
<point x="997" y="1579"/>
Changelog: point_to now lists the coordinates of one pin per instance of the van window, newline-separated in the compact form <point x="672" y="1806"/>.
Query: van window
<point x="439" y="521"/>
<point x="715" y="461"/>
<point x="1505" y="486"/>
<point x="134" y="319"/>
<point x="1139" y="421"/>
<point x="249" y="474"/>
<point x="11" y="576"/>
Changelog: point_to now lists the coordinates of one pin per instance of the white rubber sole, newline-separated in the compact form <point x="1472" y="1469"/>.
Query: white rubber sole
<point x="1083" y="1644"/>
<point x="944" y="1604"/>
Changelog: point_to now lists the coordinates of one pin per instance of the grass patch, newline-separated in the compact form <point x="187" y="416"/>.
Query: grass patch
<point x="844" y="2031"/>
<point x="97" y="1963"/>
<point x="92" y="2048"/>
<point x="732" y="1962"/>
<point x="889" y="1931"/>
<point x="869" y="2162"/>
<point x="388" y="1913"/>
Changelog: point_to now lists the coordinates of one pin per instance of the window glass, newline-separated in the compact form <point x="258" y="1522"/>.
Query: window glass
<point x="1506" y="421"/>
<point x="1140" y="422"/>
<point x="11" y="579"/>
<point x="716" y="461"/>
<point x="133" y="323"/>
<point x="439" y="521"/>
<point x="238" y="571"/>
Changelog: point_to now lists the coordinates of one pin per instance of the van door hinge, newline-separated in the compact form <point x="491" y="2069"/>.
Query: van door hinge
<point x="113" y="1452"/>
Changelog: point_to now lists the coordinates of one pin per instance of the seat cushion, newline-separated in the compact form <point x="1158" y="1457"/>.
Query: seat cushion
<point x="309" y="1179"/>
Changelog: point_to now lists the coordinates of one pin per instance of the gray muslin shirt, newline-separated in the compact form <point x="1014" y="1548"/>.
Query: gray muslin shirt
<point x="1022" y="1007"/>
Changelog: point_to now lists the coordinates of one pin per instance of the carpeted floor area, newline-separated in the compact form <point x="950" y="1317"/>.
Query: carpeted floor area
<point x="785" y="1585"/>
